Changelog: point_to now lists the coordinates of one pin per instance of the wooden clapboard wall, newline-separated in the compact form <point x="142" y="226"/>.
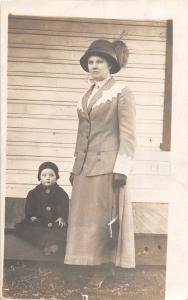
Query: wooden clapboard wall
<point x="45" y="82"/>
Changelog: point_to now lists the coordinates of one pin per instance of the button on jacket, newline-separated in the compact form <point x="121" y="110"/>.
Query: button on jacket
<point x="106" y="131"/>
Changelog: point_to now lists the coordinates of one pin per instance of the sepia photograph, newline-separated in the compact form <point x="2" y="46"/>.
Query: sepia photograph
<point x="89" y="189"/>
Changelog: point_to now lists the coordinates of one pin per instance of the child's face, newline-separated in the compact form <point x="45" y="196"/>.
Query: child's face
<point x="48" y="177"/>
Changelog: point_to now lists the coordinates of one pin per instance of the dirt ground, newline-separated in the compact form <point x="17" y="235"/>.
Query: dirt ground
<point x="28" y="280"/>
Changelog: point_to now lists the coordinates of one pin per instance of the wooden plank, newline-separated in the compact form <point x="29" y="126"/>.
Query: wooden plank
<point x="62" y="62"/>
<point x="122" y="76"/>
<point x="18" y="249"/>
<point x="59" y="69"/>
<point x="57" y="84"/>
<point x="42" y="123"/>
<point x="149" y="250"/>
<point x="27" y="164"/>
<point x="150" y="218"/>
<point x="150" y="195"/>
<point x="75" y="55"/>
<point x="148" y="154"/>
<point x="148" y="140"/>
<point x="139" y="167"/>
<point x="26" y="135"/>
<point x="28" y="109"/>
<point x="135" y="181"/>
<point x="142" y="154"/>
<point x="151" y="168"/>
<point x="13" y="19"/>
<point x="21" y="190"/>
<point x="150" y="239"/>
<point x="146" y="126"/>
<point x="65" y="142"/>
<point x="166" y="143"/>
<point x="137" y="195"/>
<point x="71" y="97"/>
<point x="80" y="42"/>
<point x="137" y="50"/>
<point x="47" y="137"/>
<point x="41" y="151"/>
<point x="24" y="109"/>
<point x="89" y="26"/>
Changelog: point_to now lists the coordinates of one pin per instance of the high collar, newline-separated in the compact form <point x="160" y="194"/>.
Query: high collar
<point x="106" y="86"/>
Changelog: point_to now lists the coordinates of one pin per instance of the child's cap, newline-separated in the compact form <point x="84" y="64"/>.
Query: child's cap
<point x="48" y="165"/>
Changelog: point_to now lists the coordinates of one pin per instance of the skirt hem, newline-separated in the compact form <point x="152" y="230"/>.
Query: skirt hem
<point x="73" y="260"/>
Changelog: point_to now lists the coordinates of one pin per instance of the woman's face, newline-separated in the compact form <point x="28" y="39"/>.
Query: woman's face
<point x="98" y="67"/>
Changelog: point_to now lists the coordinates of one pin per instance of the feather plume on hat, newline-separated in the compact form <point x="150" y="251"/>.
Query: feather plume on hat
<point x="121" y="51"/>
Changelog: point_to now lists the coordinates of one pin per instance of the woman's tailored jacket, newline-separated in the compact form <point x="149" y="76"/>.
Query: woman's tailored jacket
<point x="106" y="131"/>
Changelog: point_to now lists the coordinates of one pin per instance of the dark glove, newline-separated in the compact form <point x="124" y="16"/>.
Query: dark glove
<point x="119" y="180"/>
<point x="71" y="178"/>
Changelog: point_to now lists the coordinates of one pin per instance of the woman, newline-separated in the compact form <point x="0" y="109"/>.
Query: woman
<point x="100" y="228"/>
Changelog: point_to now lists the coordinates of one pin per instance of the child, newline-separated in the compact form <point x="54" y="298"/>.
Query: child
<point x="46" y="212"/>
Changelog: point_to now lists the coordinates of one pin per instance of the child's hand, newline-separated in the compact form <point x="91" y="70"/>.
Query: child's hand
<point x="61" y="222"/>
<point x="33" y="219"/>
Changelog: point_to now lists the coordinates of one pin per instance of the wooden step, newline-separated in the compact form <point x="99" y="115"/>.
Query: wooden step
<point x="149" y="250"/>
<point x="150" y="223"/>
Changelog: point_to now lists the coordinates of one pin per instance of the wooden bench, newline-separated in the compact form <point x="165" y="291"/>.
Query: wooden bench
<point x="150" y="223"/>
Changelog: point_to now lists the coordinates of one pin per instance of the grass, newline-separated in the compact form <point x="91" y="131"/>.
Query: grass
<point x="34" y="280"/>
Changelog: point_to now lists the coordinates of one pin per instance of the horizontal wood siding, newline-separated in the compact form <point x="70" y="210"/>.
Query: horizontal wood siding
<point x="46" y="81"/>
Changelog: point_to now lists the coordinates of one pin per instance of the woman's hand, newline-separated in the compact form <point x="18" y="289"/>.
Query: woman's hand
<point x="71" y="178"/>
<point x="61" y="222"/>
<point x="119" y="180"/>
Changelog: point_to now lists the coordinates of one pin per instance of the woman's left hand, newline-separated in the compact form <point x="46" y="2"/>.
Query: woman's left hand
<point x="119" y="180"/>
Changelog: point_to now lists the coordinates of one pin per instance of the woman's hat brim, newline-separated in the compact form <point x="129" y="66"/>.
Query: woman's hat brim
<point x="115" y="67"/>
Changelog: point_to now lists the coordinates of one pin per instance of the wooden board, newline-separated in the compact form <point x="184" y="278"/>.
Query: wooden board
<point x="149" y="250"/>
<point x="150" y="226"/>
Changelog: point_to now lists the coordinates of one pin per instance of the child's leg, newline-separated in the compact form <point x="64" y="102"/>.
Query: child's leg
<point x="36" y="235"/>
<point x="56" y="241"/>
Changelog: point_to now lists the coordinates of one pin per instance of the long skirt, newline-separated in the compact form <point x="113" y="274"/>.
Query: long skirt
<point x="91" y="209"/>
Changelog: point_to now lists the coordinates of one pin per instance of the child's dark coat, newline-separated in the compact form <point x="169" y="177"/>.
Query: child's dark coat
<point x="47" y="207"/>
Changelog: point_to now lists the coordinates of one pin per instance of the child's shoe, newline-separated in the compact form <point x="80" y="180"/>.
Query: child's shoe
<point x="51" y="249"/>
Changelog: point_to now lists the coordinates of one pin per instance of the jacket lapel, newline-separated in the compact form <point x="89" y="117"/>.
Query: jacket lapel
<point x="85" y="100"/>
<point x="99" y="93"/>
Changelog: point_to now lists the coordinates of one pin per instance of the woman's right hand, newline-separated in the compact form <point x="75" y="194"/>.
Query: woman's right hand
<point x="71" y="178"/>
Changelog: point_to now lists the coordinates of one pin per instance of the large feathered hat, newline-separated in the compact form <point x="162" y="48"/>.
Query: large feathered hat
<point x="116" y="53"/>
